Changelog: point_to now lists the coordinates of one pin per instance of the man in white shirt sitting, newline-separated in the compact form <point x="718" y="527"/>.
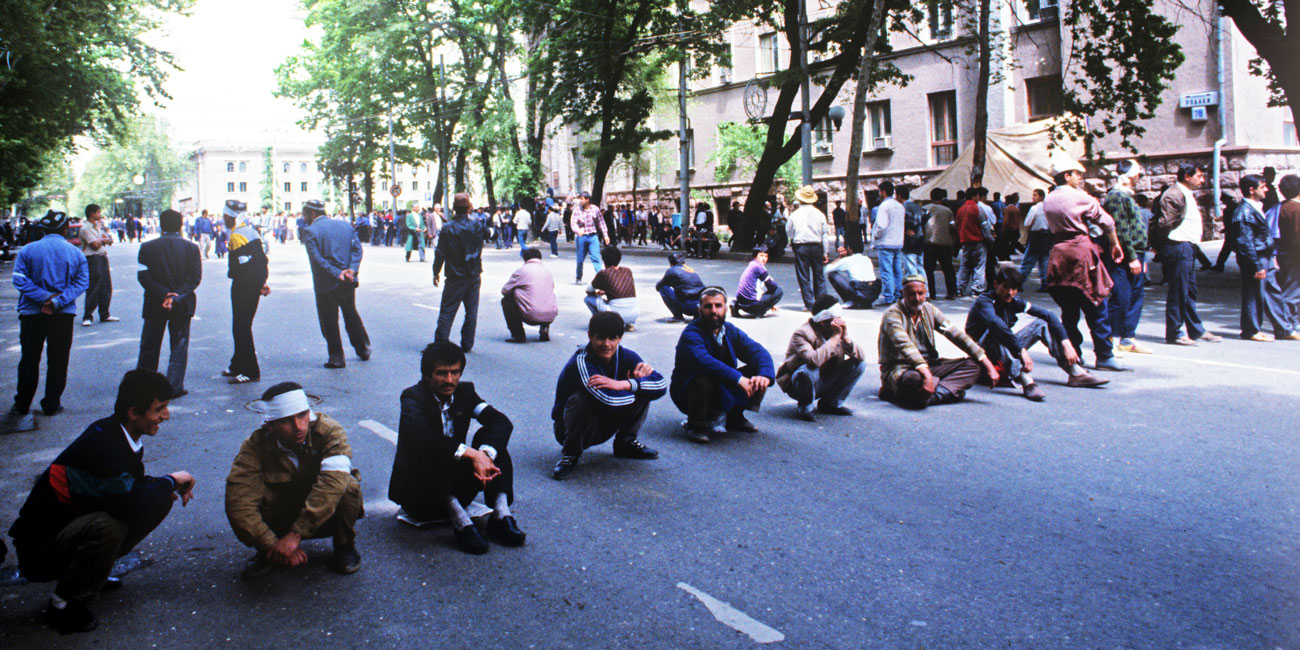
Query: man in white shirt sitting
<point x="854" y="279"/>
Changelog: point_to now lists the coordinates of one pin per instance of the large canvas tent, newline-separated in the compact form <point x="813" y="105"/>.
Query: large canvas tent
<point x="1017" y="159"/>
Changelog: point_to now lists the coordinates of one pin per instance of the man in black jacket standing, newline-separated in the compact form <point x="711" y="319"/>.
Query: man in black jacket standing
<point x="170" y="271"/>
<point x="435" y="473"/>
<point x="247" y="275"/>
<point x="95" y="503"/>
<point x="335" y="253"/>
<point x="460" y="249"/>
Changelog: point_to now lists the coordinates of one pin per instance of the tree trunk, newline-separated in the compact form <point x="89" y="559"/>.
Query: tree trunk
<point x="982" y="98"/>
<point x="603" y="162"/>
<point x="485" y="155"/>
<point x="858" y="132"/>
<point x="369" y="187"/>
<point x="460" y="170"/>
<point x="1274" y="44"/>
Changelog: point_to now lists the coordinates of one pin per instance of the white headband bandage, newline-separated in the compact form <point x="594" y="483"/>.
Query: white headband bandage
<point x="1133" y="171"/>
<point x="286" y="405"/>
<point x="832" y="312"/>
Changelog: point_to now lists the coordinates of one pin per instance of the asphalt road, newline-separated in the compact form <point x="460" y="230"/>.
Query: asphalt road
<point x="1158" y="512"/>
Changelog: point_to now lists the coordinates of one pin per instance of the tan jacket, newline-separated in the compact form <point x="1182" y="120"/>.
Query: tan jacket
<point x="905" y="344"/>
<point x="263" y="480"/>
<point x="807" y="348"/>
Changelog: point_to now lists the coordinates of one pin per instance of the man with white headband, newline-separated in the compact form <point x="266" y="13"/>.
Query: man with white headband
<point x="293" y="480"/>
<point x="439" y="468"/>
<point x="1124" y="307"/>
<point x="821" y="362"/>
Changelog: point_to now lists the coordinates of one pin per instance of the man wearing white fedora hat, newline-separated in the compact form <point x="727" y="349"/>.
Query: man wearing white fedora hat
<point x="807" y="229"/>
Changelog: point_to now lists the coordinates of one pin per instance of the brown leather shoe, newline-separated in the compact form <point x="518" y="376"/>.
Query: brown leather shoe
<point x="1085" y="380"/>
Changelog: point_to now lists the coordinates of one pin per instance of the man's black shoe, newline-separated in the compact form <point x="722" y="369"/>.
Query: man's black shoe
<point x="739" y="423"/>
<point x="18" y="411"/>
<point x="828" y="409"/>
<point x="346" y="558"/>
<point x="635" y="450"/>
<point x="544" y="334"/>
<point x="517" y="339"/>
<point x="471" y="541"/>
<point x="698" y="432"/>
<point x="565" y="467"/>
<point x="364" y="353"/>
<point x="74" y="617"/>
<point x="335" y="364"/>
<point x="256" y="567"/>
<point x="112" y="584"/>
<point x="505" y="532"/>
<point x="51" y="410"/>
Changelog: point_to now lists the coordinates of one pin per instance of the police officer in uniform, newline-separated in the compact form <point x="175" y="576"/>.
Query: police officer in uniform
<point x="247" y="274"/>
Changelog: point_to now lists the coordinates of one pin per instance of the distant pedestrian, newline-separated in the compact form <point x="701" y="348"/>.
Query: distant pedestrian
<point x="334" y="250"/>
<point x="887" y="238"/>
<point x="247" y="270"/>
<point x="810" y="242"/>
<point x="680" y="288"/>
<point x="169" y="270"/>
<point x="589" y="233"/>
<point x="95" y="241"/>
<point x="1261" y="297"/>
<point x="460" y="251"/>
<point x="1124" y="307"/>
<point x="1179" y="221"/>
<point x="1038" y="241"/>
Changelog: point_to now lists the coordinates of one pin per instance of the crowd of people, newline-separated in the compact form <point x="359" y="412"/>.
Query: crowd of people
<point x="293" y="478"/>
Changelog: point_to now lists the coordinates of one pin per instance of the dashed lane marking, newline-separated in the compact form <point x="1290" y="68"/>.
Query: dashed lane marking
<point x="734" y="618"/>
<point x="425" y="306"/>
<point x="380" y="430"/>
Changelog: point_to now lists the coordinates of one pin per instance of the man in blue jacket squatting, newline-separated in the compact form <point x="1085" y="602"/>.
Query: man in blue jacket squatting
<point x="603" y="392"/>
<point x="706" y="382"/>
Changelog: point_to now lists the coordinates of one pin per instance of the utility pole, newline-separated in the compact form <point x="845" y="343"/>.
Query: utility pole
<point x="805" y="128"/>
<point x="444" y="164"/>
<point x="684" y="175"/>
<point x="392" y="158"/>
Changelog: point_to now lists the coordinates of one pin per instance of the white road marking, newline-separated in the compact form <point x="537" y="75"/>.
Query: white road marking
<point x="734" y="618"/>
<point x="1239" y="366"/>
<point x="380" y="430"/>
<point x="425" y="306"/>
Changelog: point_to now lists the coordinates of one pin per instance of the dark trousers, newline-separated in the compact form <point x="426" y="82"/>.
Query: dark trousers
<point x="1262" y="299"/>
<point x="151" y="335"/>
<point x="942" y="257"/>
<point x="809" y="267"/>
<point x="280" y="514"/>
<point x="457" y="292"/>
<point x="954" y="377"/>
<point x="100" y="292"/>
<point x="1036" y="253"/>
<point x="762" y="305"/>
<point x="328" y="305"/>
<point x="680" y="308"/>
<point x="244" y="298"/>
<point x="1124" y="306"/>
<point x="707" y="400"/>
<point x="586" y="423"/>
<point x="852" y="293"/>
<point x="1180" y="303"/>
<point x="515" y="317"/>
<point x="1288" y="281"/>
<point x="454" y="477"/>
<point x="1074" y="304"/>
<point x="82" y="554"/>
<point x="37" y="332"/>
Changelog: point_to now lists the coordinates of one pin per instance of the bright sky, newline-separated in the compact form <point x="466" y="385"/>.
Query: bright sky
<point x="229" y="50"/>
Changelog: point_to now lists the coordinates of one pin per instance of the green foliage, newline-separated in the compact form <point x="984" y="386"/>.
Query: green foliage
<point x="268" y="180"/>
<point x="143" y="150"/>
<point x="739" y="148"/>
<point x="71" y="68"/>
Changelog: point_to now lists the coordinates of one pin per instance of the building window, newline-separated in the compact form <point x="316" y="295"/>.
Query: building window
<point x="724" y="74"/>
<point x="243" y="186"/>
<point x="304" y="186"/>
<point x="230" y="167"/>
<point x="385" y="205"/>
<point x="769" y="53"/>
<point x="1041" y="9"/>
<point x="243" y="167"/>
<point x="882" y="132"/>
<point x="230" y="187"/>
<point x="1289" y="135"/>
<point x="690" y="148"/>
<point x="822" y="136"/>
<point x="286" y="168"/>
<point x="288" y="207"/>
<point x="415" y="186"/>
<point x="1044" y="97"/>
<point x="288" y="187"/>
<point x="384" y="186"/>
<point x="943" y="128"/>
<point x="302" y="168"/>
<point x="398" y="168"/>
<point x="939" y="16"/>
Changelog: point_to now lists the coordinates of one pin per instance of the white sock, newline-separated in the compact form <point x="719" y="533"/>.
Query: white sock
<point x="1024" y="379"/>
<point x="459" y="518"/>
<point x="1076" y="370"/>
<point x="501" y="509"/>
<point x="57" y="602"/>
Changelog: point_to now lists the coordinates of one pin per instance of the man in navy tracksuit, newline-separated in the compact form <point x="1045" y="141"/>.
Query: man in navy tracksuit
<point x="603" y="392"/>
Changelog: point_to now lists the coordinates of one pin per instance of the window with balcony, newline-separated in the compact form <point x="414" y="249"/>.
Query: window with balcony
<point x="1040" y="10"/>
<point x="230" y="167"/>
<point x="939" y="20"/>
<point x="823" y="135"/>
<point x="302" y="168"/>
<point x="769" y="53"/>
<point x="882" y="131"/>
<point x="943" y="128"/>
<point x="286" y="168"/>
<point x="1044" y="97"/>
<point x="243" y="167"/>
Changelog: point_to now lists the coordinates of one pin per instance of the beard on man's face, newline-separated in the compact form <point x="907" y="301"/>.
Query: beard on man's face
<point x="713" y="321"/>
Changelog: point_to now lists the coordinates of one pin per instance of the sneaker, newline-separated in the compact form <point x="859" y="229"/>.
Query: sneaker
<point x="346" y="558"/>
<point x="241" y="379"/>
<point x="73" y="618"/>
<point x="564" y="468"/>
<point x="831" y="409"/>
<point x="1210" y="337"/>
<point x="635" y="450"/>
<point x="1132" y="348"/>
<point x="110" y="319"/>
<point x="364" y="353"/>
<point x="1085" y="380"/>
<point x="738" y="422"/>
<point x="1112" y="365"/>
<point x="735" y="311"/>
<point x="87" y="322"/>
<point x="1033" y="393"/>
<point x="698" y="433"/>
<point x="516" y="339"/>
<point x="333" y="364"/>
<point x="804" y="412"/>
<point x="1293" y="336"/>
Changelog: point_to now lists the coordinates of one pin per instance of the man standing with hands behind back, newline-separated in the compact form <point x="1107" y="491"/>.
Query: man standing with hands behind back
<point x="169" y="271"/>
<point x="335" y="253"/>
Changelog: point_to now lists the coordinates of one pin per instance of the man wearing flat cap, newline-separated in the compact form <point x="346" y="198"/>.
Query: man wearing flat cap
<point x="169" y="270"/>
<point x="293" y="480"/>
<point x="335" y="253"/>
<point x="49" y="274"/>
<point x="821" y="362"/>
<point x="810" y="242"/>
<point x="248" y="273"/>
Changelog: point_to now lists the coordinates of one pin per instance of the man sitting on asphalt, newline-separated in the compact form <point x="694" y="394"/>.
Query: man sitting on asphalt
<point x="603" y="392"/>
<point x="613" y="288"/>
<point x="95" y="503"/>
<point x="529" y="297"/>
<point x="854" y="278"/>
<point x="747" y="297"/>
<point x="293" y="480"/>
<point x="991" y="320"/>
<point x="821" y="362"/>
<point x="435" y="472"/>
<point x="706" y="384"/>
<point x="911" y="373"/>
<point x="680" y="288"/>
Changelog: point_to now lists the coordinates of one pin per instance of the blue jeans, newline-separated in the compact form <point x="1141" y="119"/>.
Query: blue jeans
<point x="913" y="264"/>
<point x="1036" y="252"/>
<point x="970" y="276"/>
<point x="523" y="241"/>
<point x="553" y="237"/>
<point x="679" y="308"/>
<point x="1180" y="303"/>
<point x="1035" y="331"/>
<point x="1124" y="306"/>
<point x="890" y="261"/>
<point x="829" y="388"/>
<point x="589" y="247"/>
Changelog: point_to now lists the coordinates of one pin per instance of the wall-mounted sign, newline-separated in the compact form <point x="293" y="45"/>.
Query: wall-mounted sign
<point x="1193" y="100"/>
